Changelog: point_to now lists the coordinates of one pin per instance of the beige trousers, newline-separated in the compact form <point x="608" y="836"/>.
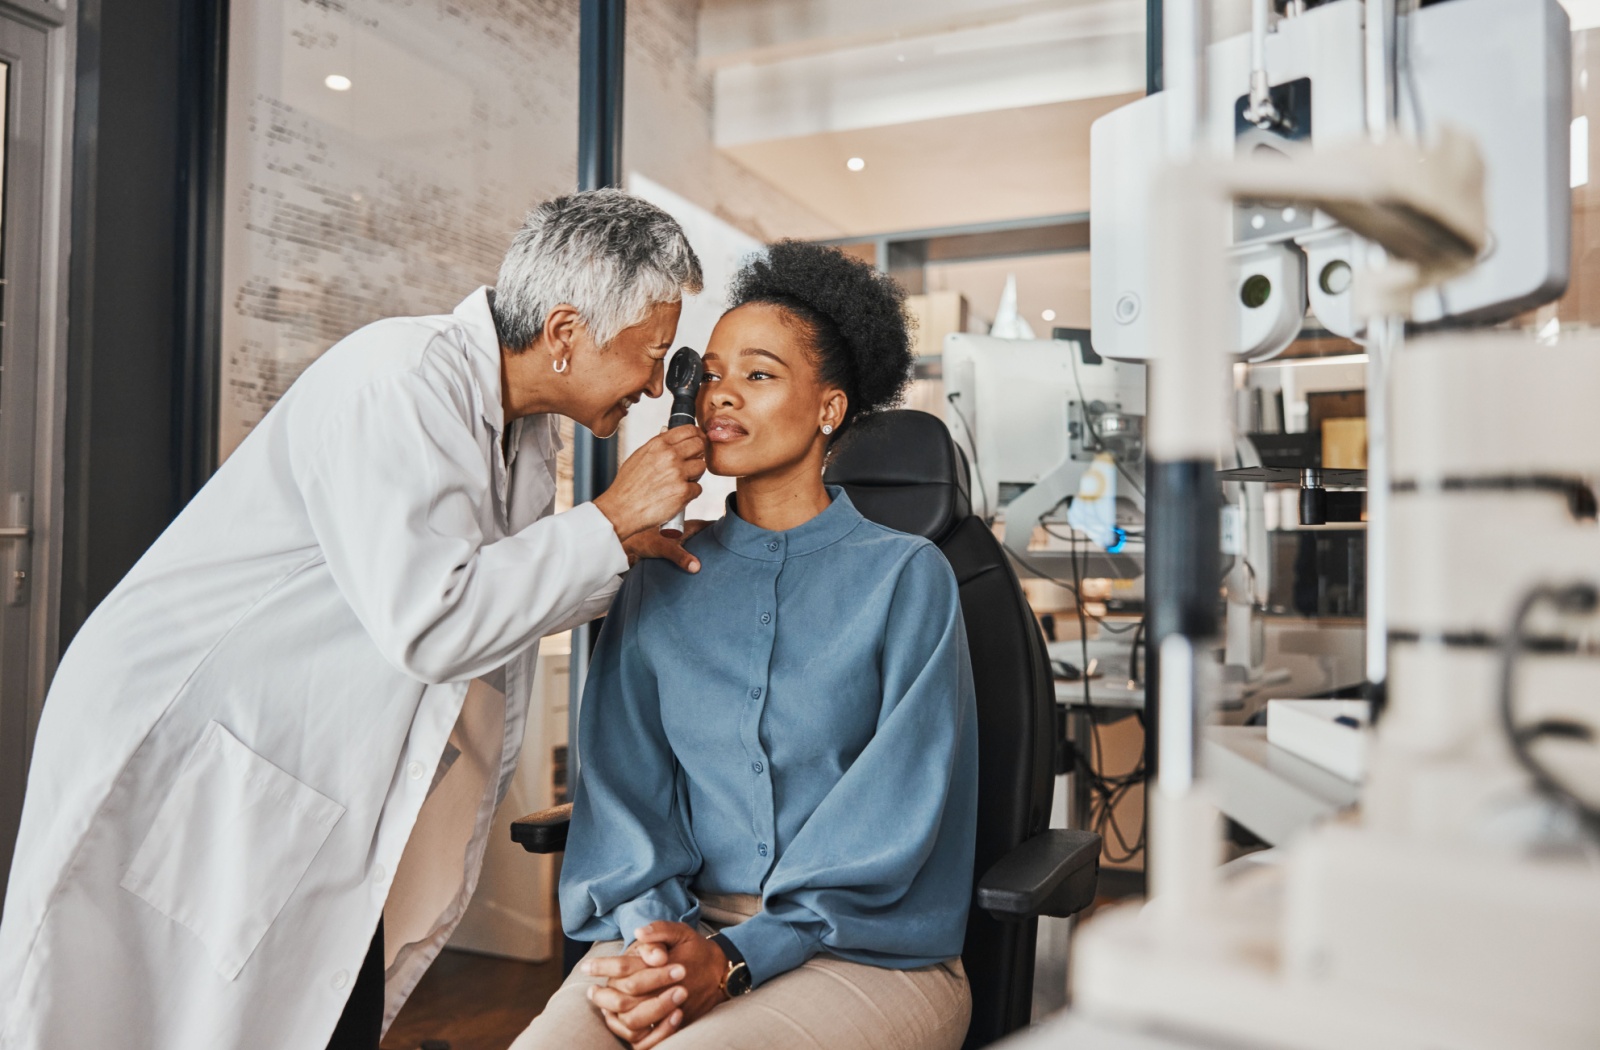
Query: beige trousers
<point x="825" y="1004"/>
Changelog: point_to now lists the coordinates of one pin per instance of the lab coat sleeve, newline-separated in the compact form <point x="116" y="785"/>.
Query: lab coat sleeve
<point x="593" y="606"/>
<point x="393" y="488"/>
<point x="630" y="853"/>
<point x="882" y="868"/>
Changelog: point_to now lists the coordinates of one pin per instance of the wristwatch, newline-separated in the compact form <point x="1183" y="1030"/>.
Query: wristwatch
<point x="736" y="981"/>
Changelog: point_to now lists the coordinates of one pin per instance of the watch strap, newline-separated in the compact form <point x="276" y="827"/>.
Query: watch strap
<point x="736" y="981"/>
<point x="735" y="956"/>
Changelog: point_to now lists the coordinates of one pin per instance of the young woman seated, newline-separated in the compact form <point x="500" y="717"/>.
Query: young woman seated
<point x="772" y="834"/>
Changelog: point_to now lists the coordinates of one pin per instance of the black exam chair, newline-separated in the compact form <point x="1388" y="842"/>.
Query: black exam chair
<point x="904" y="471"/>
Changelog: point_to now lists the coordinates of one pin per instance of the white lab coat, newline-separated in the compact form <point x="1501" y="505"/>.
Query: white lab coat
<point x="240" y="741"/>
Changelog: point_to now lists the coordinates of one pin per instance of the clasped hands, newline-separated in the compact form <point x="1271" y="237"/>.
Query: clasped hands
<point x="669" y="977"/>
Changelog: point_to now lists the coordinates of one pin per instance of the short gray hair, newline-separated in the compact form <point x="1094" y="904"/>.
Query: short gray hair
<point x="611" y="255"/>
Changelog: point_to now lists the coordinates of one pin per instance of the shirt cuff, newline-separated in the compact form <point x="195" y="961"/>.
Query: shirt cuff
<point x="593" y="519"/>
<point x="652" y="907"/>
<point x="771" y="947"/>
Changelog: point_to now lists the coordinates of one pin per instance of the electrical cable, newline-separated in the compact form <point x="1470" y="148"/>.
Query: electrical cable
<point x="1581" y="598"/>
<point x="1110" y="790"/>
<point x="972" y="439"/>
<point x="1033" y="568"/>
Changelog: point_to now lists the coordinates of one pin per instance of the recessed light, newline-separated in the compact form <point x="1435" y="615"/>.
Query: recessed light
<point x="337" y="82"/>
<point x="855" y="164"/>
<point x="1049" y="315"/>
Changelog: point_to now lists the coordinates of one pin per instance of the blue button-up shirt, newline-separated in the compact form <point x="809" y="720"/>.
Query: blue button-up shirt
<point x="797" y="721"/>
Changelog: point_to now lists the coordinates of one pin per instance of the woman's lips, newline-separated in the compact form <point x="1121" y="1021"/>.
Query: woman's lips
<point x="722" y="429"/>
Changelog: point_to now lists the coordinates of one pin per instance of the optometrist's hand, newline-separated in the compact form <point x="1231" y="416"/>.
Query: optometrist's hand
<point x="656" y="482"/>
<point x="651" y="544"/>
<point x="641" y="999"/>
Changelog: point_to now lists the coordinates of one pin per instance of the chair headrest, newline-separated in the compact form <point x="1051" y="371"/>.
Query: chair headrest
<point x="903" y="470"/>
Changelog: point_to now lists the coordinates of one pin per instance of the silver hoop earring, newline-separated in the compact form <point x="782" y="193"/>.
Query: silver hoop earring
<point x="560" y="366"/>
<point x="827" y="428"/>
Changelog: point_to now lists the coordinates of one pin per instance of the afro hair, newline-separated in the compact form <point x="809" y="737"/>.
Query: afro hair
<point x="854" y="315"/>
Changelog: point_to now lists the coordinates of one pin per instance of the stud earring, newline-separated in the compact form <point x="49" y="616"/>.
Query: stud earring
<point x="560" y="366"/>
<point x="827" y="428"/>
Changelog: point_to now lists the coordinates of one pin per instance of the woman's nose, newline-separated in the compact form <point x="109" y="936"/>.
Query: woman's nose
<point x="657" y="381"/>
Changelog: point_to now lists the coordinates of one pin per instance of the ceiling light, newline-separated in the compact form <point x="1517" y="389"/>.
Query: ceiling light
<point x="855" y="164"/>
<point x="1049" y="315"/>
<point x="337" y="82"/>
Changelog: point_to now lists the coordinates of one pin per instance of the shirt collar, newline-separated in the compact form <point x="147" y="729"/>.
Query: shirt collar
<point x="483" y="355"/>
<point x="832" y="525"/>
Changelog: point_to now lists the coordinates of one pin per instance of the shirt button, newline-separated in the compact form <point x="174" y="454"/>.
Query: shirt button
<point x="762" y="849"/>
<point x="755" y="694"/>
<point x="766" y="617"/>
<point x="380" y="874"/>
<point x="757" y="766"/>
<point x="342" y="978"/>
<point x="414" y="770"/>
<point x="772" y="546"/>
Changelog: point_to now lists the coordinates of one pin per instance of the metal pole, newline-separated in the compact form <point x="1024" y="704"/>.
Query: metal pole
<point x="1384" y="338"/>
<point x="594" y="461"/>
<point x="1152" y="47"/>
<point x="1188" y="391"/>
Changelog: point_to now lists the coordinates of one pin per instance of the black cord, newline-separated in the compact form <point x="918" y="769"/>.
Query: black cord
<point x="1133" y="653"/>
<point x="1581" y="598"/>
<point x="972" y="439"/>
<point x="1105" y="624"/>
<point x="1110" y="790"/>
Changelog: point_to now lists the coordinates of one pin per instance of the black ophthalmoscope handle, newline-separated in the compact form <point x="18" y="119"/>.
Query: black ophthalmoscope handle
<point x="684" y="376"/>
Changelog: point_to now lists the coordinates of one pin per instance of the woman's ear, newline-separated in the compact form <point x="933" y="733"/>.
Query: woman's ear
<point x="834" y="406"/>
<point x="562" y="324"/>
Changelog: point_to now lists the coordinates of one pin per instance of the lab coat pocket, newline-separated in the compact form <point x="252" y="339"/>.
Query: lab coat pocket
<point x="228" y="847"/>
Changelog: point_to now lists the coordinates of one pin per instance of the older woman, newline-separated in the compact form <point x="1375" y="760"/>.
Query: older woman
<point x="772" y="836"/>
<point x="328" y="655"/>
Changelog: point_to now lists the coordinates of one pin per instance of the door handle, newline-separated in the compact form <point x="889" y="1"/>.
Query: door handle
<point x="16" y="578"/>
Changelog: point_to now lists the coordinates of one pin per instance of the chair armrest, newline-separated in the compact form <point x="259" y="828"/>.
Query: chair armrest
<point x="544" y="831"/>
<point x="1053" y="873"/>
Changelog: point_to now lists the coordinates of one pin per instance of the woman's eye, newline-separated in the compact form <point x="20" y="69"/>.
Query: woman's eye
<point x="760" y="375"/>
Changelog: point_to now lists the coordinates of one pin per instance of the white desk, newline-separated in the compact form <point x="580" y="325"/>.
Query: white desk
<point x="1103" y="692"/>
<point x="1272" y="793"/>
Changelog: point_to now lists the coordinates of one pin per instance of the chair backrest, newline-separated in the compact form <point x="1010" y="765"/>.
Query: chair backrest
<point x="903" y="470"/>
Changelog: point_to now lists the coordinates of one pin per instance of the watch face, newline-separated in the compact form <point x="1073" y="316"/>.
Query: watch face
<point x="738" y="980"/>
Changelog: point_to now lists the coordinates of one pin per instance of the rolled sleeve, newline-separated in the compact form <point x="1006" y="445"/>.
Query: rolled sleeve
<point x="655" y="906"/>
<point x="772" y="946"/>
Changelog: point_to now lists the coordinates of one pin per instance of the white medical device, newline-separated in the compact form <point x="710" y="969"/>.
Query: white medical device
<point x="1031" y="416"/>
<point x="1460" y="906"/>
<point x="1284" y="258"/>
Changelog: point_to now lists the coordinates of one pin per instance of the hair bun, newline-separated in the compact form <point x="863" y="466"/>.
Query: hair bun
<point x="857" y="316"/>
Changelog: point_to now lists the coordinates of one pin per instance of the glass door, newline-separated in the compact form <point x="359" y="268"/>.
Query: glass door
<point x="23" y="72"/>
